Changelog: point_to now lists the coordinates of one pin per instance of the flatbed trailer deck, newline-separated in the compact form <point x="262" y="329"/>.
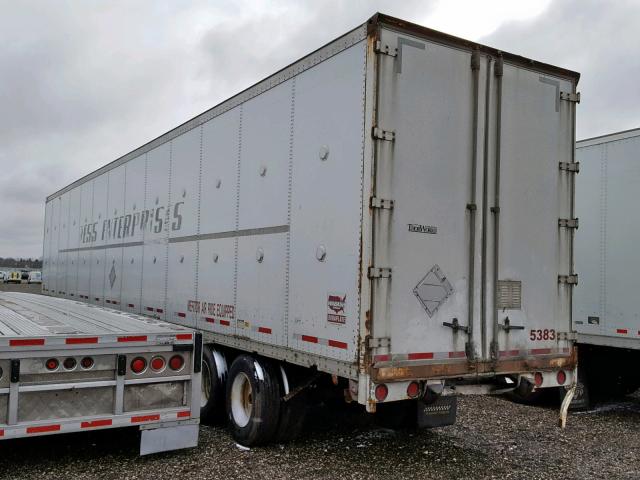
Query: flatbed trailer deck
<point x="66" y="366"/>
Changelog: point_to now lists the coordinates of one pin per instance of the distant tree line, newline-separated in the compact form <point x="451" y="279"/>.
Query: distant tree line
<point x="10" y="262"/>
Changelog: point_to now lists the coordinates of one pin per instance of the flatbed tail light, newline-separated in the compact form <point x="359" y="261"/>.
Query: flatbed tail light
<point x="51" y="364"/>
<point x="157" y="363"/>
<point x="86" y="363"/>
<point x="537" y="379"/>
<point x="176" y="362"/>
<point x="561" y="377"/>
<point x="69" y="363"/>
<point x="381" y="392"/>
<point x="138" y="365"/>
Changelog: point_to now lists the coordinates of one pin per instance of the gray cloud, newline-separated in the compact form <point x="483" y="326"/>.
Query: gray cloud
<point x="85" y="82"/>
<point x="597" y="38"/>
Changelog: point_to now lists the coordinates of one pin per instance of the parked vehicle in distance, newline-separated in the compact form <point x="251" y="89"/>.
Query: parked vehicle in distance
<point x="69" y="367"/>
<point x="35" y="276"/>
<point x="347" y="223"/>
<point x="14" y="277"/>
<point x="3" y="276"/>
<point x="24" y="274"/>
<point x="606" y="315"/>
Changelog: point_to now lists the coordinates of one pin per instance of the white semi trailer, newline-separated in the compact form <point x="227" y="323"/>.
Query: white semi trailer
<point x="606" y="316"/>
<point x="391" y="212"/>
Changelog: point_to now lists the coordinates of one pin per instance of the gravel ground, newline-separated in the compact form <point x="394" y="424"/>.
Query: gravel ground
<point x="493" y="438"/>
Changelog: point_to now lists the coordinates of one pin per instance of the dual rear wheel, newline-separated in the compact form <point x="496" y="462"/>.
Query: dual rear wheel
<point x="251" y="397"/>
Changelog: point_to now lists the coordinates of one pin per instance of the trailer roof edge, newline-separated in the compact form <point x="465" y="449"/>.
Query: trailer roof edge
<point x="609" y="137"/>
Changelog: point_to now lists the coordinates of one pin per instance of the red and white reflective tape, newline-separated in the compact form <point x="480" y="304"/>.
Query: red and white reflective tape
<point x="416" y="356"/>
<point x="254" y="328"/>
<point x="86" y="340"/>
<point x="89" y="424"/>
<point x="220" y="321"/>
<point x="533" y="352"/>
<point x="320" y="341"/>
<point x="421" y="356"/>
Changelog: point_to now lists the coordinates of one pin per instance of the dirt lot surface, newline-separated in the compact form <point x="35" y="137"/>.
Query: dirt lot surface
<point x="493" y="438"/>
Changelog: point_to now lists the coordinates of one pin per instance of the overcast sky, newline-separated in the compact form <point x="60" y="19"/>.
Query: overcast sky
<point x="82" y="83"/>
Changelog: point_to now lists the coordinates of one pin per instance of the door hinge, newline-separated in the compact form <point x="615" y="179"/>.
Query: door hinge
<point x="381" y="203"/>
<point x="384" y="49"/>
<point x="568" y="279"/>
<point x="570" y="166"/>
<point x="381" y="134"/>
<point x="568" y="222"/>
<point x="382" y="342"/>
<point x="570" y="97"/>
<point x="379" y="272"/>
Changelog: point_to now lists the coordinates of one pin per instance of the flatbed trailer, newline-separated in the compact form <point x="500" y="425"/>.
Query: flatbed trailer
<point x="66" y="366"/>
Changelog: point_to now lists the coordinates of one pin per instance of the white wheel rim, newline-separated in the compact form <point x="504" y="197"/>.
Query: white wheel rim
<point x="241" y="400"/>
<point x="205" y="385"/>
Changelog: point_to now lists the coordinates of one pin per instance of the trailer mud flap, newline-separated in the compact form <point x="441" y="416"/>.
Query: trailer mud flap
<point x="158" y="439"/>
<point x="439" y="413"/>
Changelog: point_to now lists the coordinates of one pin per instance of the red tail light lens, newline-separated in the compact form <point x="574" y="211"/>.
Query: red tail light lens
<point x="138" y="365"/>
<point x="51" y="364"/>
<point x="86" y="362"/>
<point x="381" y="392"/>
<point x="413" y="390"/>
<point x="69" y="363"/>
<point x="537" y="379"/>
<point x="157" y="363"/>
<point x="176" y="362"/>
<point x="561" y="377"/>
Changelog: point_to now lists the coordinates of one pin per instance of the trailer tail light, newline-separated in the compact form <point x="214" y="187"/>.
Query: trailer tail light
<point x="157" y="364"/>
<point x="138" y="365"/>
<point x="69" y="363"/>
<point x="86" y="363"/>
<point x="413" y="390"/>
<point x="51" y="364"/>
<point x="381" y="392"/>
<point x="537" y="379"/>
<point x="561" y="377"/>
<point x="176" y="362"/>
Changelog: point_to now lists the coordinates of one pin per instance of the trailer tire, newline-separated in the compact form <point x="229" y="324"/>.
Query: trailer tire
<point x="253" y="401"/>
<point x="214" y="374"/>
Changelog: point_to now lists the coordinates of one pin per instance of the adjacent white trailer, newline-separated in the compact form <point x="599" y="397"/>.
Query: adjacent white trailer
<point x="392" y="210"/>
<point x="66" y="366"/>
<point x="606" y="316"/>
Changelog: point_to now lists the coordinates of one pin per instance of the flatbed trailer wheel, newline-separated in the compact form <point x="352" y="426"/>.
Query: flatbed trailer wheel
<point x="212" y="386"/>
<point x="253" y="400"/>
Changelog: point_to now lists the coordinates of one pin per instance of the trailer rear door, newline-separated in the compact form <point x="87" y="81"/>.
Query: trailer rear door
<point x="435" y="135"/>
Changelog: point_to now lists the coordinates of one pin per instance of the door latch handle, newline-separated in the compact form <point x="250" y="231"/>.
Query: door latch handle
<point x="455" y="326"/>
<point x="507" y="325"/>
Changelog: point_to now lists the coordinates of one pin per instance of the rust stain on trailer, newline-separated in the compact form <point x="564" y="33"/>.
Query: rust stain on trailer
<point x="456" y="369"/>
